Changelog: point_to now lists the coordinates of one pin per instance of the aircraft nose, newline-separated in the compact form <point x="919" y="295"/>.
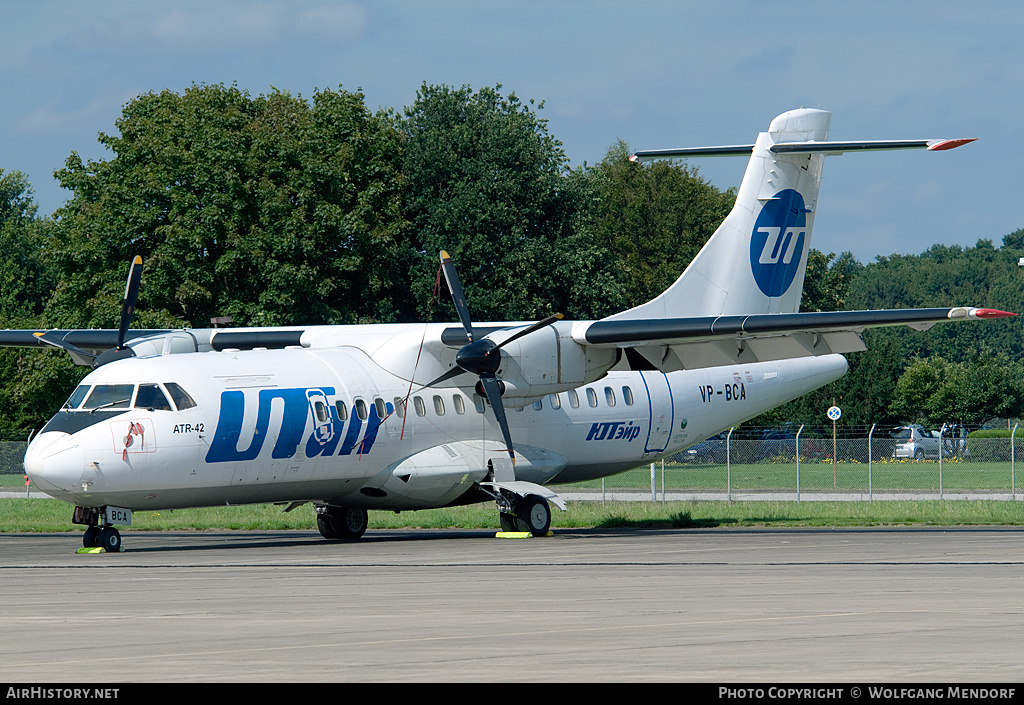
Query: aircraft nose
<point x="54" y="462"/>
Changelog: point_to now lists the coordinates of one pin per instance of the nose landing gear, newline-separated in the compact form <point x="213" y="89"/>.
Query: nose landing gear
<point x="97" y="535"/>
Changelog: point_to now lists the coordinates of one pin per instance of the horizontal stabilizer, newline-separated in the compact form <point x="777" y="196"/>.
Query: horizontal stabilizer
<point x="739" y="150"/>
<point x="865" y="146"/>
<point x="801" y="148"/>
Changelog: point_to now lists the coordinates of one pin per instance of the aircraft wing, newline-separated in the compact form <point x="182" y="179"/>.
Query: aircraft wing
<point x="86" y="344"/>
<point x="691" y="343"/>
<point x="83" y="344"/>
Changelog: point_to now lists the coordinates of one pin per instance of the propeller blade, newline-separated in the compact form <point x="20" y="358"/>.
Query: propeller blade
<point x="453" y="372"/>
<point x="493" y="391"/>
<point x="536" y="326"/>
<point x="131" y="294"/>
<point x="454" y="286"/>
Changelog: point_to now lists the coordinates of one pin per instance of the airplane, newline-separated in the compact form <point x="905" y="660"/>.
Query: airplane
<point x="409" y="416"/>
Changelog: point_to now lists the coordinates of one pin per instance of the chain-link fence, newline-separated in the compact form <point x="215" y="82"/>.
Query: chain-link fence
<point x="12" y="452"/>
<point x="908" y="462"/>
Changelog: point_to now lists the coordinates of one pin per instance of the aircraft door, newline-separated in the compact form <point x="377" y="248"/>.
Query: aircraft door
<point x="662" y="411"/>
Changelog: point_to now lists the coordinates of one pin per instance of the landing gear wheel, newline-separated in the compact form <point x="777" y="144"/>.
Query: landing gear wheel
<point x="109" y="539"/>
<point x="535" y="514"/>
<point x="89" y="539"/>
<point x="323" y="523"/>
<point x="510" y="522"/>
<point x="348" y="522"/>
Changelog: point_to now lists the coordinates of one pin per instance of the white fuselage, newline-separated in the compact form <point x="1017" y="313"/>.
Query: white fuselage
<point x="330" y="425"/>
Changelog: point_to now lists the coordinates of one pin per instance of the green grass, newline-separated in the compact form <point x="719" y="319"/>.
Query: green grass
<point x="46" y="515"/>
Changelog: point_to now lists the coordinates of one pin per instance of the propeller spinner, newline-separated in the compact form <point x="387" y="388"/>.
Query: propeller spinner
<point x="482" y="357"/>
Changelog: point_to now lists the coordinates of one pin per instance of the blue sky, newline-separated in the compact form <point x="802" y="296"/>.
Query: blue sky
<point x="653" y="73"/>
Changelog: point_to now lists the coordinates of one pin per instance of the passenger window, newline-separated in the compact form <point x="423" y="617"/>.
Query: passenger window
<point x="76" y="396"/>
<point x="318" y="407"/>
<point x="591" y="397"/>
<point x="627" y="396"/>
<point x="179" y="396"/>
<point x="361" y="411"/>
<point x="460" y="405"/>
<point x="421" y="408"/>
<point x="574" y="399"/>
<point x="556" y="403"/>
<point x="438" y="405"/>
<point x="150" y="396"/>
<point x="382" y="409"/>
<point x="478" y="403"/>
<point x="342" y="410"/>
<point x="400" y="407"/>
<point x="538" y="405"/>
<point x="110" y="396"/>
<point x="609" y="396"/>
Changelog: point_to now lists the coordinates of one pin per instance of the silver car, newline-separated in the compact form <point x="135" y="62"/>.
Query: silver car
<point x="916" y="442"/>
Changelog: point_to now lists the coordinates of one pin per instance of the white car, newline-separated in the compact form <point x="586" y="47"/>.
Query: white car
<point x="916" y="442"/>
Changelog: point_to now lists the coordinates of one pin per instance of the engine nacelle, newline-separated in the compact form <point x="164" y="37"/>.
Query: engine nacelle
<point x="172" y="343"/>
<point x="548" y="361"/>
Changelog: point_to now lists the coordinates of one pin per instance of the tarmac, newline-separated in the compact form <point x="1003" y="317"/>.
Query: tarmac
<point x="826" y="606"/>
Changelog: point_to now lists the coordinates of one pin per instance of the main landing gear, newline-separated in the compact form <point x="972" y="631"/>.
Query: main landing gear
<point x="530" y="513"/>
<point x="341" y="523"/>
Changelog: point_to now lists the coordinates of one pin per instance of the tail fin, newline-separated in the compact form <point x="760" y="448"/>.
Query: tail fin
<point x="756" y="260"/>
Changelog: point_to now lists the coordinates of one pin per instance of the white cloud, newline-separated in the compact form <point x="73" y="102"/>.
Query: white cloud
<point x="341" y="21"/>
<point x="217" y="27"/>
<point x="251" y="25"/>
<point x="54" y="118"/>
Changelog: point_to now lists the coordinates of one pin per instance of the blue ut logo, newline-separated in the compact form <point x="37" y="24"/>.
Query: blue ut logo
<point x="299" y="406"/>
<point x="777" y="243"/>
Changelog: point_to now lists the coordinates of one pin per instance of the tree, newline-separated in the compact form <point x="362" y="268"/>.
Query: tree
<point x="30" y="380"/>
<point x="489" y="184"/>
<point x="933" y="391"/>
<point x="827" y="282"/>
<point x="24" y="282"/>
<point x="272" y="210"/>
<point x="949" y="276"/>
<point x="653" y="219"/>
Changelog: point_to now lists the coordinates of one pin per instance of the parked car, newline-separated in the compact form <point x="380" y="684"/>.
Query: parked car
<point x="711" y="450"/>
<point x="777" y="442"/>
<point x="916" y="442"/>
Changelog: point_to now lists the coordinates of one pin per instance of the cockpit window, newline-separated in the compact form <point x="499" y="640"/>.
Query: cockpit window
<point x="110" y="396"/>
<point x="181" y="398"/>
<point x="77" y="396"/>
<point x="150" y="396"/>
